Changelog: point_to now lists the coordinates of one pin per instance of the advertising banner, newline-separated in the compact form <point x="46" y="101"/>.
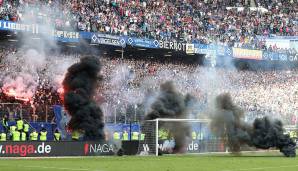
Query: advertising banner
<point x="272" y="56"/>
<point x="205" y="49"/>
<point x="12" y="26"/>
<point x="247" y="54"/>
<point x="146" y="43"/>
<point x="190" y="48"/>
<point x="107" y="39"/>
<point x="171" y="45"/>
<point x="66" y="36"/>
<point x="223" y="51"/>
<point x="48" y="149"/>
<point x="195" y="146"/>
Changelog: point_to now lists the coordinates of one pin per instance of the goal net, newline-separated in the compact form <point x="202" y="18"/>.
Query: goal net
<point x="159" y="137"/>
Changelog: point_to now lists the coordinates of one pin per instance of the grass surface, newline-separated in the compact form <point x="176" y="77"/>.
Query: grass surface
<point x="270" y="161"/>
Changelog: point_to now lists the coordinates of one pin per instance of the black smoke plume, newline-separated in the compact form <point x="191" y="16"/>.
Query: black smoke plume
<point x="79" y="85"/>
<point x="227" y="122"/>
<point x="172" y="104"/>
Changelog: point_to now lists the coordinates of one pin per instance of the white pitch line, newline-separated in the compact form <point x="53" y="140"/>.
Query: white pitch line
<point x="261" y="168"/>
<point x="56" y="168"/>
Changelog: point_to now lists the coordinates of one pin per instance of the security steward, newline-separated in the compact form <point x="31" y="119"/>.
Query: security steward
<point x="75" y="135"/>
<point x="3" y="136"/>
<point x="33" y="136"/>
<point x="20" y="124"/>
<point x="26" y="130"/>
<point x="43" y="135"/>
<point x="13" y="128"/>
<point x="194" y="135"/>
<point x="135" y="135"/>
<point x="57" y="135"/>
<point x="116" y="135"/>
<point x="23" y="136"/>
<point x="142" y="138"/>
<point x="16" y="136"/>
<point x="125" y="136"/>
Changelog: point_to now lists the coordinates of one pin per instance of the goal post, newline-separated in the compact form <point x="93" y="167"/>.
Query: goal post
<point x="159" y="136"/>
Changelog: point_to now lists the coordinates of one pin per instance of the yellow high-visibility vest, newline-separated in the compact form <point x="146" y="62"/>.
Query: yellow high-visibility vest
<point x="16" y="136"/>
<point x="194" y="135"/>
<point x="143" y="136"/>
<point x="23" y="136"/>
<point x="26" y="127"/>
<point x="116" y="136"/>
<point x="34" y="136"/>
<point x="57" y="136"/>
<point x="12" y="128"/>
<point x="135" y="136"/>
<point x="75" y="135"/>
<point x="2" y="137"/>
<point x="43" y="136"/>
<point x="20" y="124"/>
<point x="125" y="136"/>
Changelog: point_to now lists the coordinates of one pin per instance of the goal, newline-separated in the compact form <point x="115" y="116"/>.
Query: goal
<point x="160" y="136"/>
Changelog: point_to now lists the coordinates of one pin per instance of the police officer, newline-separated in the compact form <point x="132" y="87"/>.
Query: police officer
<point x="3" y="136"/>
<point x="43" y="135"/>
<point x="20" y="124"/>
<point x="57" y="135"/>
<point x="33" y="136"/>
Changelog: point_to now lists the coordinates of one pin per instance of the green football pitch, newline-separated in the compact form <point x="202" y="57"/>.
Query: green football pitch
<point x="269" y="161"/>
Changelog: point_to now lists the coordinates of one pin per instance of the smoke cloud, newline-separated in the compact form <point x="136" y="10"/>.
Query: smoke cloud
<point x="171" y="104"/>
<point x="34" y="60"/>
<point x="21" y="77"/>
<point x="227" y="122"/>
<point x="79" y="86"/>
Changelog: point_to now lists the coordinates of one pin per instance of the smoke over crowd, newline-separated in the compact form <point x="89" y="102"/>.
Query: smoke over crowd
<point x="228" y="123"/>
<point x="79" y="86"/>
<point x="172" y="104"/>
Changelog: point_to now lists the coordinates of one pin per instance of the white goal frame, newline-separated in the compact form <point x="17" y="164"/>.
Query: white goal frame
<point x="171" y="120"/>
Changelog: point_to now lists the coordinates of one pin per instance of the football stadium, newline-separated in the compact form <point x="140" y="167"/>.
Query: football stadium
<point x="164" y="85"/>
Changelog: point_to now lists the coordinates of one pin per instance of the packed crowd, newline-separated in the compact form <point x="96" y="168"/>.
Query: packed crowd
<point x="259" y="93"/>
<point x="35" y="88"/>
<point x="126" y="82"/>
<point x="206" y="21"/>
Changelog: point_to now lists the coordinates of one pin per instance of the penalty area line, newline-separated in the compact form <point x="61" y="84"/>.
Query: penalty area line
<point x="262" y="168"/>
